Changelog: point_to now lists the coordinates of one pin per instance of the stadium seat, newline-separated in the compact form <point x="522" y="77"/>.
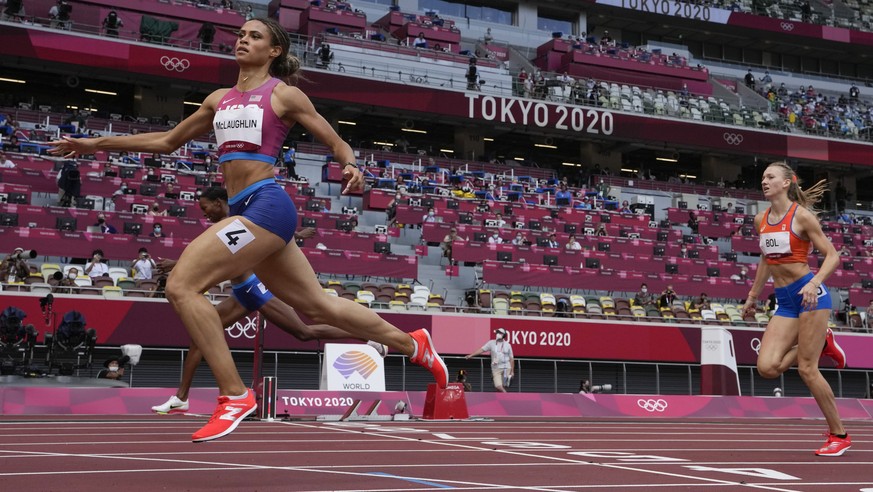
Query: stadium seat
<point x="397" y="306"/>
<point x="117" y="272"/>
<point x="365" y="296"/>
<point x="113" y="292"/>
<point x="331" y="292"/>
<point x="40" y="289"/>
<point x="501" y="307"/>
<point x="417" y="301"/>
<point x="49" y="269"/>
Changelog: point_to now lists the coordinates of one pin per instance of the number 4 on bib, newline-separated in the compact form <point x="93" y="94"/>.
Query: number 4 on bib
<point x="235" y="236"/>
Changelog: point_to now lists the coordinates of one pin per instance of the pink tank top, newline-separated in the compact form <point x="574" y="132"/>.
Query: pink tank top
<point x="246" y="127"/>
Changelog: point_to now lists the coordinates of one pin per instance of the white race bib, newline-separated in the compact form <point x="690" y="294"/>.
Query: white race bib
<point x="775" y="244"/>
<point x="240" y="127"/>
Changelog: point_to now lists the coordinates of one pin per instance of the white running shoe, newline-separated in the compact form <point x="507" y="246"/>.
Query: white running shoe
<point x="382" y="349"/>
<point x="173" y="405"/>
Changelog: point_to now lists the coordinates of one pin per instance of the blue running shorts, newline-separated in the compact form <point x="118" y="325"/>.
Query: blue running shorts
<point x="788" y="299"/>
<point x="252" y="294"/>
<point x="266" y="204"/>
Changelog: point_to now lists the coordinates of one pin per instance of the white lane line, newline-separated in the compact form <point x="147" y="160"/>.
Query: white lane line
<point x="359" y="430"/>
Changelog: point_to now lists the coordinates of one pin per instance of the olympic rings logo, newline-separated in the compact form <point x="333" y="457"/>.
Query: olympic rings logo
<point x="732" y="138"/>
<point x="175" y="64"/>
<point x="756" y="345"/>
<point x="658" y="405"/>
<point x="787" y="26"/>
<point x="240" y="329"/>
<point x="712" y="346"/>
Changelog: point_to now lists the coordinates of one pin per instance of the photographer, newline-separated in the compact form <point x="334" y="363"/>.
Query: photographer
<point x="60" y="15"/>
<point x="143" y="265"/>
<point x="667" y="298"/>
<point x="96" y="268"/>
<point x="113" y="368"/>
<point x="66" y="284"/>
<point x="15" y="267"/>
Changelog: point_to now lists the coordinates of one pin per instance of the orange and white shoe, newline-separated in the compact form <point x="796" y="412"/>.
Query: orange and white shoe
<point x="835" y="446"/>
<point x="833" y="350"/>
<point x="227" y="416"/>
<point x="427" y="357"/>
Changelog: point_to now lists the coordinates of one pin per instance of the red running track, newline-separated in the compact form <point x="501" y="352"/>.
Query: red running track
<point x="150" y="453"/>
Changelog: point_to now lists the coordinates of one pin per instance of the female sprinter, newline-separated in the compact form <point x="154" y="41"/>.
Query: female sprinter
<point x="799" y="328"/>
<point x="251" y="121"/>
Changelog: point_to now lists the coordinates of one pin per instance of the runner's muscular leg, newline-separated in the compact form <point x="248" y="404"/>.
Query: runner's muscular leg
<point x="229" y="311"/>
<point x="283" y="316"/>
<point x="813" y="330"/>
<point x="205" y="262"/>
<point x="778" y="347"/>
<point x="290" y="277"/>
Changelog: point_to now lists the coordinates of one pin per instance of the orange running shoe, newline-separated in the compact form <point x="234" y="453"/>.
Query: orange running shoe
<point x="227" y="416"/>
<point x="833" y="350"/>
<point x="427" y="357"/>
<point x="835" y="446"/>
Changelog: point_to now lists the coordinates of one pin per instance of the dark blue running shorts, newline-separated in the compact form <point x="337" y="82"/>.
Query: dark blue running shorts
<point x="266" y="204"/>
<point x="252" y="294"/>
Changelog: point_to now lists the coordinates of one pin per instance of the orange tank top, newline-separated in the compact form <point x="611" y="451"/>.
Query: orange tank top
<point x="779" y="244"/>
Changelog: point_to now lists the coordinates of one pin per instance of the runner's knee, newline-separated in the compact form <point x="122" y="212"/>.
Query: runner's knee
<point x="768" y="371"/>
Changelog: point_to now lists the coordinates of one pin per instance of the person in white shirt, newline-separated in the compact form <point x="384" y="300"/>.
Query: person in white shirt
<point x="4" y="162"/>
<point x="96" y="268"/>
<point x="573" y="244"/>
<point x="143" y="265"/>
<point x="495" y="238"/>
<point x="502" y="360"/>
<point x="430" y="216"/>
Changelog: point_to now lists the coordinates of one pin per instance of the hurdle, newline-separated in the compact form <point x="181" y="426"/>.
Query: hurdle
<point x="264" y="387"/>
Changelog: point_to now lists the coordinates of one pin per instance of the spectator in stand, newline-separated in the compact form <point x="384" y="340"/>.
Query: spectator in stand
<point x="702" y="302"/>
<point x="854" y="93"/>
<point x="730" y="208"/>
<point x="693" y="223"/>
<point x="488" y="37"/>
<point x="495" y="238"/>
<point x="15" y="267"/>
<point x="767" y="80"/>
<point x="105" y="227"/>
<point x="472" y="76"/>
<point x="323" y="56"/>
<point x="12" y="145"/>
<point x="553" y="242"/>
<point x="563" y="193"/>
<point x="430" y="216"/>
<point x="667" y="298"/>
<point x="683" y="251"/>
<point x="573" y="244"/>
<point x="500" y="222"/>
<point x="143" y="265"/>
<point x="14" y="10"/>
<point x="4" y="162"/>
<point x="155" y="210"/>
<point x="67" y="283"/>
<point x="111" y="23"/>
<point x="601" y="230"/>
<point x="606" y="39"/>
<point x="869" y="312"/>
<point x="420" y="41"/>
<point x="644" y="298"/>
<point x="157" y="230"/>
<point x="289" y="158"/>
<point x="519" y="239"/>
<point x="750" y="79"/>
<point x="206" y="35"/>
<point x="60" y="15"/>
<point x="171" y="192"/>
<point x="96" y="267"/>
<point x="844" y="251"/>
<point x="743" y="275"/>
<point x="806" y="11"/>
<point x="249" y="13"/>
<point x="450" y="238"/>
<point x="625" y="208"/>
